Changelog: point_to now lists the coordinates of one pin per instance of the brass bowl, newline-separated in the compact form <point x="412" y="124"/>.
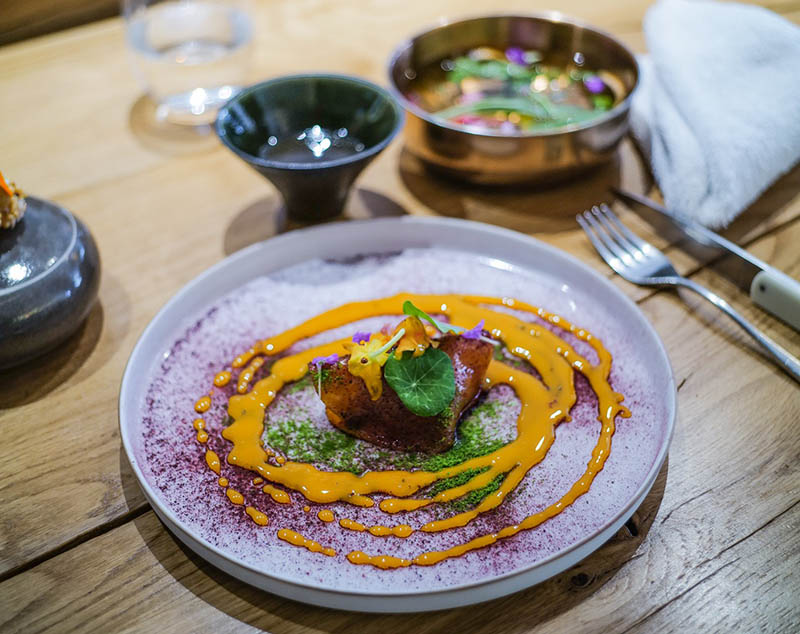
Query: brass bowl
<point x="526" y="157"/>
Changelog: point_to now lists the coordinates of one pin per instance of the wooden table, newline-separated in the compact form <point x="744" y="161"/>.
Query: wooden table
<point x="715" y="546"/>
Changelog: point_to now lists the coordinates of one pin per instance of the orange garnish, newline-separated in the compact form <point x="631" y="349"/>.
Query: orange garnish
<point x="4" y="186"/>
<point x="415" y="339"/>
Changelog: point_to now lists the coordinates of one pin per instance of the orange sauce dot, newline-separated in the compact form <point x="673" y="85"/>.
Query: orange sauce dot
<point x="278" y="495"/>
<point x="202" y="404"/>
<point x="257" y="516"/>
<point x="402" y="530"/>
<point x="222" y="378"/>
<point x="379" y="561"/>
<point x="352" y="525"/>
<point x="306" y="508"/>
<point x="212" y="460"/>
<point x="257" y="481"/>
<point x="198" y="424"/>
<point x="326" y="515"/>
<point x="296" y="539"/>
<point x="223" y="482"/>
<point x="202" y="436"/>
<point x="234" y="496"/>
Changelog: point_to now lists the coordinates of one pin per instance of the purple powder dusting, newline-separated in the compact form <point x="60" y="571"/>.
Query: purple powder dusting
<point x="173" y="461"/>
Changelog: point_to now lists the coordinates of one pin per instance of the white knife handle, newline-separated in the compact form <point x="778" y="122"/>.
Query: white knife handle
<point x="778" y="294"/>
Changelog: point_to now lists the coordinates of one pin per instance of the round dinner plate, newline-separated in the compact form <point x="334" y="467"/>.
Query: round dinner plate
<point x="271" y="286"/>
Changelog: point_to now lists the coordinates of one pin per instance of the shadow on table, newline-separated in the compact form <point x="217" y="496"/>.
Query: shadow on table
<point x="82" y="354"/>
<point x="40" y="376"/>
<point x="513" y="613"/>
<point x="529" y="209"/>
<point x="267" y="217"/>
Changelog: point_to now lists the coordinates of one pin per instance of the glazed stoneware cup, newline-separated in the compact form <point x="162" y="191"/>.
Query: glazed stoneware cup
<point x="310" y="135"/>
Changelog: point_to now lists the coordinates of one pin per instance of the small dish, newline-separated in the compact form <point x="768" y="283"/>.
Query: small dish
<point x="310" y="135"/>
<point x="531" y="156"/>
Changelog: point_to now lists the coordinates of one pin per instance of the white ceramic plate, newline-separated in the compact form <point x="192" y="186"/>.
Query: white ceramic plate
<point x="199" y="330"/>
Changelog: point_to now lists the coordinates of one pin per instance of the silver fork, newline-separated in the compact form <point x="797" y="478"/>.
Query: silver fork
<point x="641" y="263"/>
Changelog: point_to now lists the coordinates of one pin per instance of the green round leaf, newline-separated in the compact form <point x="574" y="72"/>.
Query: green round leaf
<point x="426" y="384"/>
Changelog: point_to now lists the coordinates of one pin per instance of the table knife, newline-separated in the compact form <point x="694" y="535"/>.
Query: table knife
<point x="769" y="288"/>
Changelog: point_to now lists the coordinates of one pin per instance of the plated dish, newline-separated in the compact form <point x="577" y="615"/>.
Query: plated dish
<point x="238" y="455"/>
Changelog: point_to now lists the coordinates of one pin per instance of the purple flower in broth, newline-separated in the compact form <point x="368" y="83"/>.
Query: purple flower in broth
<point x="594" y="84"/>
<point x="361" y="336"/>
<point x="506" y="127"/>
<point x="516" y="55"/>
<point x="474" y="333"/>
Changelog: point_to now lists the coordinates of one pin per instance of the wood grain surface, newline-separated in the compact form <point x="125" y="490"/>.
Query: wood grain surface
<point x="714" y="547"/>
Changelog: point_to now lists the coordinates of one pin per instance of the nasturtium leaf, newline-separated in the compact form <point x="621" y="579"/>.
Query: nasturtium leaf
<point x="410" y="309"/>
<point x="426" y="384"/>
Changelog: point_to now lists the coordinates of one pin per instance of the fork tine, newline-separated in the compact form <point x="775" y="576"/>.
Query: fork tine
<point x="620" y="251"/>
<point x="600" y="240"/>
<point x="603" y="213"/>
<point x="630" y="235"/>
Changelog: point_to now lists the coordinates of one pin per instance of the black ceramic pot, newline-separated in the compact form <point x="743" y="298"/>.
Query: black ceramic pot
<point x="49" y="276"/>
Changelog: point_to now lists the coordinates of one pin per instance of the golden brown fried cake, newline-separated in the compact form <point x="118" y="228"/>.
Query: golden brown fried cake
<point x="386" y="421"/>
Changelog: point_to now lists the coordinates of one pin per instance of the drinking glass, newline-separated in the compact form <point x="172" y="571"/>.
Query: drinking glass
<point x="191" y="55"/>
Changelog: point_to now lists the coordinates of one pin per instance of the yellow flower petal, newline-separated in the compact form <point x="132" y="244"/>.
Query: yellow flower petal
<point x="415" y="339"/>
<point x="365" y="364"/>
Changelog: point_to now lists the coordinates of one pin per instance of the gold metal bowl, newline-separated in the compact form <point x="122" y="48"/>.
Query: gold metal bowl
<point x="526" y="157"/>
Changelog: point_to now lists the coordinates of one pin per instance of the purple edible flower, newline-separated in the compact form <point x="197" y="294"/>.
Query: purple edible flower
<point x="320" y="361"/>
<point x="474" y="333"/>
<point x="361" y="336"/>
<point x="471" y="97"/>
<point x="516" y="55"/>
<point x="594" y="84"/>
<point x="506" y="127"/>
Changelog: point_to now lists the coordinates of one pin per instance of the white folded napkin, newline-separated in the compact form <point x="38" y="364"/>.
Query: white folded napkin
<point x="718" y="109"/>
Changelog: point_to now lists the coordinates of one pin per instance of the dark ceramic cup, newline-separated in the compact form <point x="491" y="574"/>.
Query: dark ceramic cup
<point x="310" y="135"/>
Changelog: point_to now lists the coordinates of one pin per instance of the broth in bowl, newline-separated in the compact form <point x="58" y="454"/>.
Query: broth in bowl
<point x="514" y="90"/>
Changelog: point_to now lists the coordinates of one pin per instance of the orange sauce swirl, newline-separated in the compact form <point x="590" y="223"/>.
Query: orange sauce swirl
<point x="544" y="404"/>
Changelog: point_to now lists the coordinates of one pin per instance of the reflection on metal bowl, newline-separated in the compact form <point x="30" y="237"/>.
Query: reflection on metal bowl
<point x="536" y="156"/>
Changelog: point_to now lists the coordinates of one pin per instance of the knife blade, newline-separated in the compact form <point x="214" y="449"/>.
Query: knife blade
<point x="769" y="288"/>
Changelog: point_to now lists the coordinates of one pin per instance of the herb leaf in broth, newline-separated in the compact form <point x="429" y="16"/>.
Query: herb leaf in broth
<point x="515" y="91"/>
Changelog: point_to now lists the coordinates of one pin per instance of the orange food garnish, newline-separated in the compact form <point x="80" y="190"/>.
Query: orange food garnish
<point x="4" y="186"/>
<point x="415" y="339"/>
